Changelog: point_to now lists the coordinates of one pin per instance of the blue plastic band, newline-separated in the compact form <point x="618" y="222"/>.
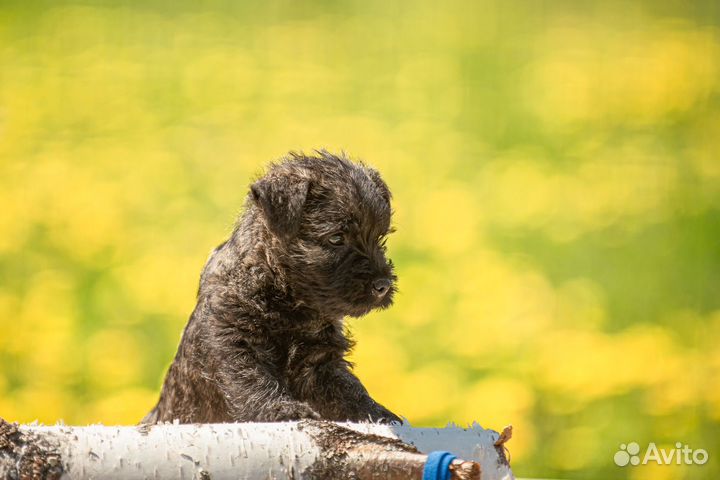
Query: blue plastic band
<point x="437" y="466"/>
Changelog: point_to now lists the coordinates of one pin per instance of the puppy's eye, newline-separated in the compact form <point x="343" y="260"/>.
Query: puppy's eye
<point x="336" y="239"/>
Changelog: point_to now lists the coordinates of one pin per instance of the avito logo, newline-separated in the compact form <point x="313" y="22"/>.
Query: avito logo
<point x="629" y="454"/>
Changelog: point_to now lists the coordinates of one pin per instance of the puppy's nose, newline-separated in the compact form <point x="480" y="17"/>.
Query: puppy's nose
<point x="381" y="287"/>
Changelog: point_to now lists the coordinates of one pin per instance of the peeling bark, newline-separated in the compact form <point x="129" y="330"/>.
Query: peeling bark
<point x="290" y="450"/>
<point x="27" y="456"/>
<point x="349" y="454"/>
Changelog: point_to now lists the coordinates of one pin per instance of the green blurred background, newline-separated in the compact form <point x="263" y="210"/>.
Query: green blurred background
<point x="556" y="175"/>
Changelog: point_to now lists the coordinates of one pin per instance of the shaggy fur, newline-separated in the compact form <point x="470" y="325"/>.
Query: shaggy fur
<point x="266" y="341"/>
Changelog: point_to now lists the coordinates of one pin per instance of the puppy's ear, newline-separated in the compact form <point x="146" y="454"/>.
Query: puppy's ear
<point x="281" y="201"/>
<point x="380" y="184"/>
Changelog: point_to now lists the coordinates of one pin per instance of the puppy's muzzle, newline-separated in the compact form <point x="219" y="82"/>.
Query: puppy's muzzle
<point x="381" y="287"/>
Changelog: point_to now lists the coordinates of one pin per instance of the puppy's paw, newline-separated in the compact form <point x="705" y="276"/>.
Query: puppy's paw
<point x="291" y="410"/>
<point x="389" y="420"/>
<point x="382" y="415"/>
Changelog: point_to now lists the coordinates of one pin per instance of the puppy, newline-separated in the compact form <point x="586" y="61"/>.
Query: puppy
<point x="266" y="341"/>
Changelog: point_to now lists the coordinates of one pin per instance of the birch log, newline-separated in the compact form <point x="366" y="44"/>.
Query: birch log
<point x="290" y="450"/>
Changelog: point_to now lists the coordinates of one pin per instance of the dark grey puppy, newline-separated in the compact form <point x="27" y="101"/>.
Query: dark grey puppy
<point x="266" y="341"/>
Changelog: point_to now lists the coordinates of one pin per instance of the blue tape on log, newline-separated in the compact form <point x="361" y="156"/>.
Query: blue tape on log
<point x="437" y="466"/>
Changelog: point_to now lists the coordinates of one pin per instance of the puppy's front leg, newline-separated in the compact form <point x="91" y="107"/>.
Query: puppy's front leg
<point x="253" y="393"/>
<point x="341" y="396"/>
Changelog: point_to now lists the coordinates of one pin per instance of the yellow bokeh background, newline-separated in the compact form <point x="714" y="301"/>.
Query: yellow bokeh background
<point x="556" y="177"/>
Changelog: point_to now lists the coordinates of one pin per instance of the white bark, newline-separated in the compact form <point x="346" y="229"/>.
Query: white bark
<point x="291" y="450"/>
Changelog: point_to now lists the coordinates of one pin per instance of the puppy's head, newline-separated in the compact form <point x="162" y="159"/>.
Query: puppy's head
<point x="328" y="220"/>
